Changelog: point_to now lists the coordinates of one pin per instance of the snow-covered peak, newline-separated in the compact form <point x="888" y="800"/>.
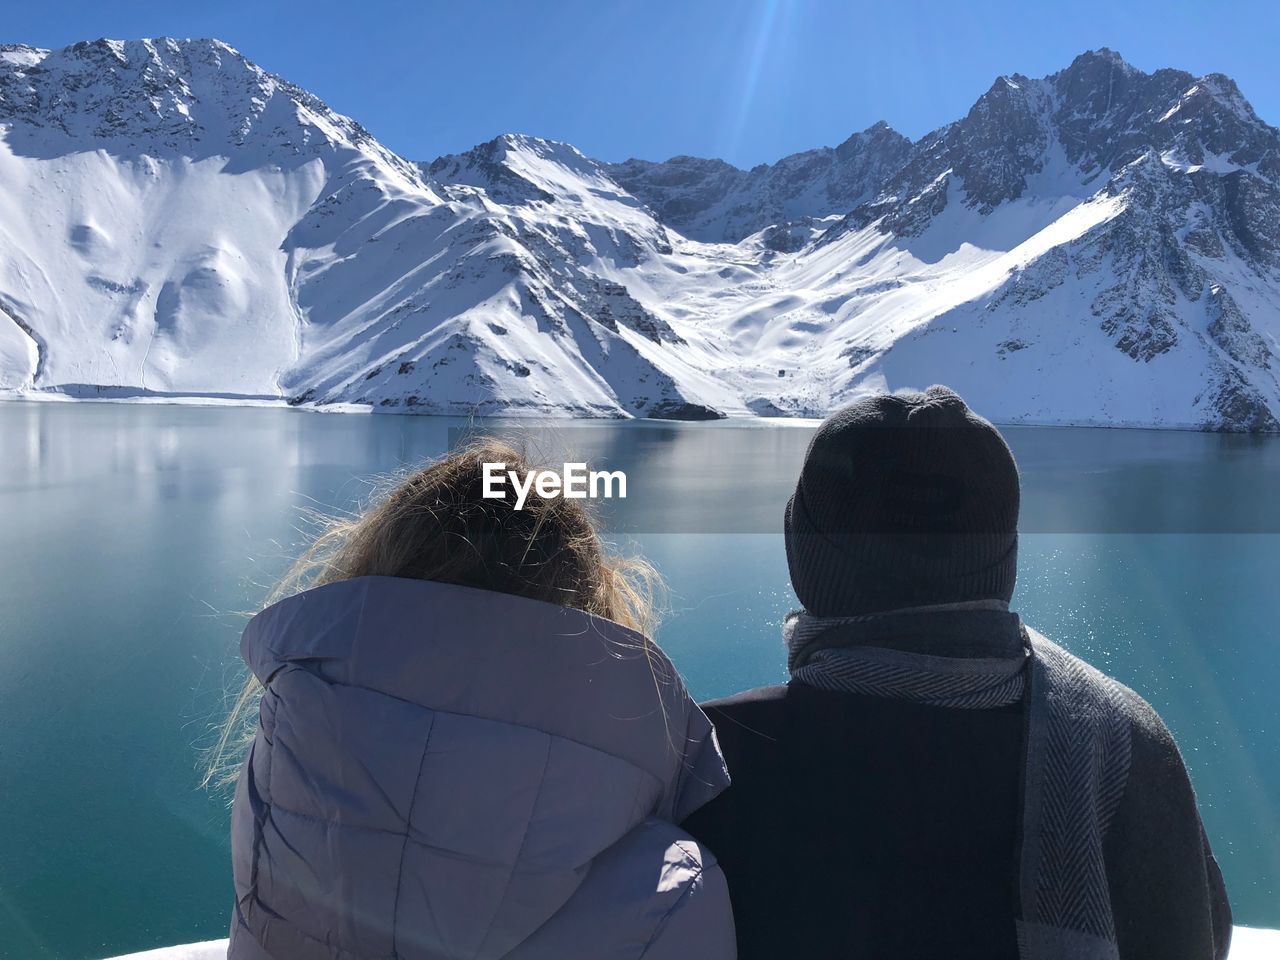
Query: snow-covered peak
<point x="167" y="97"/>
<point x="20" y="55"/>
<point x="113" y="89"/>
<point x="556" y="150"/>
<point x="517" y="168"/>
<point x="513" y="148"/>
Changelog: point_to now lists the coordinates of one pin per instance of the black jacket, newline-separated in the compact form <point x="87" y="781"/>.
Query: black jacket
<point x="860" y="827"/>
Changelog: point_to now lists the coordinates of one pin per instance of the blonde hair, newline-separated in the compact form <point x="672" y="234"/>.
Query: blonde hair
<point x="435" y="524"/>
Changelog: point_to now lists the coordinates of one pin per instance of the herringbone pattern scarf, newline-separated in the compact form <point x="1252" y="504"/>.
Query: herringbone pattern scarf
<point x="1077" y="765"/>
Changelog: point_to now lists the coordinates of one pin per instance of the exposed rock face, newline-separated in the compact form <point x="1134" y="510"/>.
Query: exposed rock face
<point x="1232" y="331"/>
<point x="715" y="202"/>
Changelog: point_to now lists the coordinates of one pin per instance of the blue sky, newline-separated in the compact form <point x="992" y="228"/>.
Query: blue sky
<point x="745" y="80"/>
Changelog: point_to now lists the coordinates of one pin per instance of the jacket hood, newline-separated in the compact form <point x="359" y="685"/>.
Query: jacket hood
<point x="540" y="735"/>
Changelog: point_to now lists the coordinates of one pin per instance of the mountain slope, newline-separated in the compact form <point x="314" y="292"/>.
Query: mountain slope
<point x="1165" y="312"/>
<point x="176" y="221"/>
<point x="1097" y="246"/>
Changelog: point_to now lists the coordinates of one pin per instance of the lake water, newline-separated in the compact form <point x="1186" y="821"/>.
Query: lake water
<point x="133" y="538"/>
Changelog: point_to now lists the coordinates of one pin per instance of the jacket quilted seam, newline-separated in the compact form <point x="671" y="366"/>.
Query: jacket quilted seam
<point x="528" y="823"/>
<point x="404" y="847"/>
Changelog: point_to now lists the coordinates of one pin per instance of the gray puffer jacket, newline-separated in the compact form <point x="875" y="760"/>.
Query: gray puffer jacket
<point x="442" y="772"/>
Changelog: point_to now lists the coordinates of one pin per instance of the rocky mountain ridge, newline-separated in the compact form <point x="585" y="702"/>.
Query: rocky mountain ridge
<point x="1101" y="245"/>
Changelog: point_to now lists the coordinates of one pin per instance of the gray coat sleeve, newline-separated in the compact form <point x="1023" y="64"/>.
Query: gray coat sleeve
<point x="700" y="924"/>
<point x="1168" y="898"/>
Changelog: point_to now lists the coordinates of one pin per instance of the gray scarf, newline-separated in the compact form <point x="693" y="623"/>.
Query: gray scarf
<point x="1077" y="755"/>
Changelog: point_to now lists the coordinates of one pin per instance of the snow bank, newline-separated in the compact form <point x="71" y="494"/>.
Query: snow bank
<point x="1248" y="943"/>
<point x="1253" y="943"/>
<point x="209" y="950"/>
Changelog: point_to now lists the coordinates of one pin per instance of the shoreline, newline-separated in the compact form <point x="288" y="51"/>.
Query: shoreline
<point x="554" y="416"/>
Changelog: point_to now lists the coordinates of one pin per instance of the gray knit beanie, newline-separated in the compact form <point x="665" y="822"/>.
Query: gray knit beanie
<point x="903" y="500"/>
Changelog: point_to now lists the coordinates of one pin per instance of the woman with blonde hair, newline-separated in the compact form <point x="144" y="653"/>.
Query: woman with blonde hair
<point x="466" y="746"/>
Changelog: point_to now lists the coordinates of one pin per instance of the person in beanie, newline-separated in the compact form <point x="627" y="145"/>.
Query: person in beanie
<point x="938" y="779"/>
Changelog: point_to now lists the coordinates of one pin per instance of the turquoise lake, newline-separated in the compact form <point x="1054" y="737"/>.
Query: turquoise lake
<point x="135" y="539"/>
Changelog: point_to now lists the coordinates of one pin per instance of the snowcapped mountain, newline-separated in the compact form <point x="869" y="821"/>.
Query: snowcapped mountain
<point x="176" y="221"/>
<point x="149" y="198"/>
<point x="1097" y="246"/>
<point x="1123" y="238"/>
